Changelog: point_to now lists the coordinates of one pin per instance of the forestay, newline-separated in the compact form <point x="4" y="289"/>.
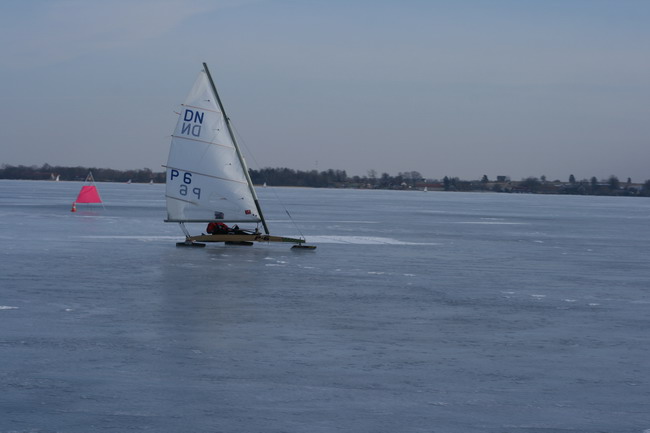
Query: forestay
<point x="205" y="178"/>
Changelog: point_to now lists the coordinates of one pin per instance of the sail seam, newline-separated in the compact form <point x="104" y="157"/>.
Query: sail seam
<point x="203" y="141"/>
<point x="201" y="108"/>
<point x="180" y="199"/>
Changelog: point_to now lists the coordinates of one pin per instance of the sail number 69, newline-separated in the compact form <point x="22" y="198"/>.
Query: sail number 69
<point x="187" y="180"/>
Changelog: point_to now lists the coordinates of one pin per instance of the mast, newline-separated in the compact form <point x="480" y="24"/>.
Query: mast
<point x="239" y="154"/>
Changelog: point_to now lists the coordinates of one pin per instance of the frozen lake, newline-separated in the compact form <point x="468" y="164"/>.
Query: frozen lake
<point x="418" y="312"/>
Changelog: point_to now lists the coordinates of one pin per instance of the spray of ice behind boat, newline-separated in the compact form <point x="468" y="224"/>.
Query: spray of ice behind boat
<point x="207" y="177"/>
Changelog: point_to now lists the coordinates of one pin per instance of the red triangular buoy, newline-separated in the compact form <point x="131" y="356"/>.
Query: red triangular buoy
<point x="88" y="193"/>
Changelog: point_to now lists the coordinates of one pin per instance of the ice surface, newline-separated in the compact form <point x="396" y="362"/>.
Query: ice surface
<point x="402" y="320"/>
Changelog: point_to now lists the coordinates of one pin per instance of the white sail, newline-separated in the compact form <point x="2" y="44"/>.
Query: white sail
<point x="206" y="180"/>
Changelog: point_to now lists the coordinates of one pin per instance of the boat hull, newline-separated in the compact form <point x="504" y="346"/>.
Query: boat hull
<point x="237" y="238"/>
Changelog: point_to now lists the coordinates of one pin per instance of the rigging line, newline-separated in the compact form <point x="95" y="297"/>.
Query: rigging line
<point x="243" y="142"/>
<point x="294" y="223"/>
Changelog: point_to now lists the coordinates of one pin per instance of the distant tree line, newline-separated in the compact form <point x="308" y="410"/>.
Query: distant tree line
<point x="339" y="179"/>
<point x="49" y="172"/>
<point x="534" y="185"/>
<point x="271" y="176"/>
<point x="289" y="177"/>
<point x="593" y="186"/>
<point x="333" y="179"/>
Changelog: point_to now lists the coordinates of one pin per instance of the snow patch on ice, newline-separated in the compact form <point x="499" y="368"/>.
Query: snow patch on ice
<point x="491" y="222"/>
<point x="362" y="240"/>
<point x="138" y="237"/>
<point x="329" y="221"/>
<point x="356" y="240"/>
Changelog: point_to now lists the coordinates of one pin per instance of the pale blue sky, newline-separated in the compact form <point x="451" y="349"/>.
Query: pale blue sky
<point x="457" y="88"/>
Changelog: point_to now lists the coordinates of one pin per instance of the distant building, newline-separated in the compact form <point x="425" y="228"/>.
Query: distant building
<point x="430" y="186"/>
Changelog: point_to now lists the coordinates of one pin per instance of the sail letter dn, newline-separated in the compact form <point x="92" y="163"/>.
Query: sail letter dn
<point x="194" y="128"/>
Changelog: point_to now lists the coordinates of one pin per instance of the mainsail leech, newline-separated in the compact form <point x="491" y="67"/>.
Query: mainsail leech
<point x="239" y="154"/>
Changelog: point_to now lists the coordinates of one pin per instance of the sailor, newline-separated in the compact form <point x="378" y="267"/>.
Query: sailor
<point x="217" y="228"/>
